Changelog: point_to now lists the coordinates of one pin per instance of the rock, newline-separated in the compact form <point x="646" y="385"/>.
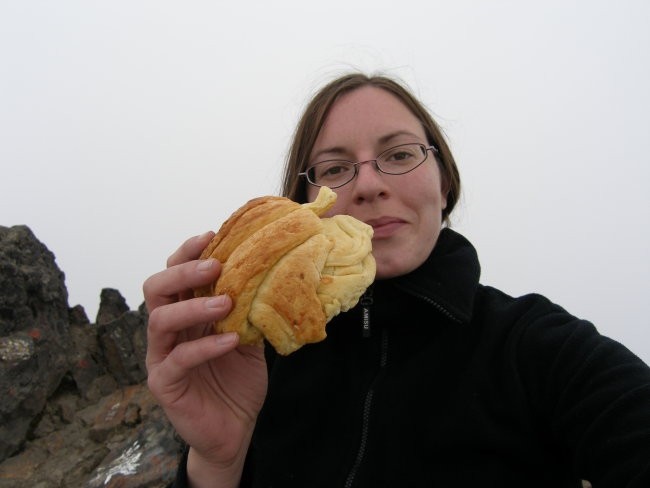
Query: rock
<point x="77" y="411"/>
<point x="111" y="306"/>
<point x="147" y="456"/>
<point x="117" y="453"/>
<point x="123" y="343"/>
<point x="34" y="332"/>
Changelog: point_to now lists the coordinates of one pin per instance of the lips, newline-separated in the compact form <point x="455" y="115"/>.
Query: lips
<point x="385" y="226"/>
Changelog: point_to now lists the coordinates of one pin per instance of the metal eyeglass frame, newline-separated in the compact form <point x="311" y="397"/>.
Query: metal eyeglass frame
<point x="356" y="165"/>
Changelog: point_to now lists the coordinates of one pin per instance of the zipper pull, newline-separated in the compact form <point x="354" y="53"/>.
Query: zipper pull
<point x="366" y="303"/>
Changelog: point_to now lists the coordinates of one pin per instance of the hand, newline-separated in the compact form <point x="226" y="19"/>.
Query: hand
<point x="210" y="388"/>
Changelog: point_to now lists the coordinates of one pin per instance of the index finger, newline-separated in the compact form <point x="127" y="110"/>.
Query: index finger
<point x="174" y="283"/>
<point x="191" y="249"/>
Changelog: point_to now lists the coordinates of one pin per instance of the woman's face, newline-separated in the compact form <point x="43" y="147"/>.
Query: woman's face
<point x="404" y="210"/>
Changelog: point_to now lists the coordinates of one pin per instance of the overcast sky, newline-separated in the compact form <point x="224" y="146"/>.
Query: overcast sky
<point x="128" y="126"/>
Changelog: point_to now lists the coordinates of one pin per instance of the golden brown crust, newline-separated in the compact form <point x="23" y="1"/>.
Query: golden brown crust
<point x="287" y="270"/>
<point x="254" y="215"/>
<point x="248" y="265"/>
<point x="286" y="308"/>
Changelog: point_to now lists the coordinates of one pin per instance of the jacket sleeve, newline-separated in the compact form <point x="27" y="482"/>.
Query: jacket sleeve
<point x="593" y="395"/>
<point x="181" y="472"/>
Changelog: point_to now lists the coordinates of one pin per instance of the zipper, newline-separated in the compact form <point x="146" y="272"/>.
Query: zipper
<point x="367" y="407"/>
<point x="366" y="302"/>
<point x="365" y="421"/>
<point x="435" y="305"/>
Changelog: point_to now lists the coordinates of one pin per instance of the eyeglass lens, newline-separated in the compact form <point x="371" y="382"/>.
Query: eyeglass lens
<point x="395" y="161"/>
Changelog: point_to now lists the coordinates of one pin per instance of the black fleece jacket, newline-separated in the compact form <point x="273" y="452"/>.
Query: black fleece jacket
<point x="434" y="380"/>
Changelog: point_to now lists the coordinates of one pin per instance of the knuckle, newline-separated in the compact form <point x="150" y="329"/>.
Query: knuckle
<point x="154" y="319"/>
<point x="153" y="383"/>
<point x="148" y="286"/>
<point x="180" y="356"/>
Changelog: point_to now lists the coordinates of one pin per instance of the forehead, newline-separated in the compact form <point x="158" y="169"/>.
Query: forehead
<point x="366" y="115"/>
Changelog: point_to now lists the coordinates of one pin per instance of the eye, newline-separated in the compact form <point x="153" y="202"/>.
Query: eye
<point x="398" y="156"/>
<point x="401" y="153"/>
<point x="330" y="170"/>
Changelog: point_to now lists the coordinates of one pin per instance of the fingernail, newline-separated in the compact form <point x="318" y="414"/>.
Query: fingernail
<point x="226" y="338"/>
<point x="215" y="302"/>
<point x="205" y="235"/>
<point x="205" y="264"/>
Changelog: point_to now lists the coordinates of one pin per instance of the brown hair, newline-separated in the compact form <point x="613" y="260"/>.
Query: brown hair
<point x="314" y="116"/>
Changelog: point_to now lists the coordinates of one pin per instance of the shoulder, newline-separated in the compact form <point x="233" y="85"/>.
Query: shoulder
<point x="542" y="336"/>
<point x="530" y="310"/>
<point x="552" y="348"/>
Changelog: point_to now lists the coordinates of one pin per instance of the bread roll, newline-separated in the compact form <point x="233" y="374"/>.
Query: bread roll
<point x="289" y="271"/>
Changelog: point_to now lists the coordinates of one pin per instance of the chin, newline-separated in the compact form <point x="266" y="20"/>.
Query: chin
<point x="392" y="270"/>
<point x="397" y="257"/>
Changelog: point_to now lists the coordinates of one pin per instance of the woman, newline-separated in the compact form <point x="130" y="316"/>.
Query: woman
<point x="453" y="384"/>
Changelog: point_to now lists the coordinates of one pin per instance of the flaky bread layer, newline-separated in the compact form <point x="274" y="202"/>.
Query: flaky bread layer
<point x="248" y="265"/>
<point x="247" y="220"/>
<point x="287" y="270"/>
<point x="286" y="309"/>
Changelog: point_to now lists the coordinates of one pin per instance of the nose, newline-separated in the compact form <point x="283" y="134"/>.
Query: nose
<point x="367" y="166"/>
<point x="369" y="182"/>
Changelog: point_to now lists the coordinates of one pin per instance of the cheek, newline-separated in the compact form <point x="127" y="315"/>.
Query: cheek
<point x="434" y="187"/>
<point x="338" y="209"/>
<point x="424" y="189"/>
<point x="312" y="192"/>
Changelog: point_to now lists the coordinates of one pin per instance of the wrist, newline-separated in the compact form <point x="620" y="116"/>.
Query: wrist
<point x="203" y="473"/>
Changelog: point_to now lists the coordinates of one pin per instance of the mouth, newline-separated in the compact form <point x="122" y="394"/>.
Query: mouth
<point x="385" y="226"/>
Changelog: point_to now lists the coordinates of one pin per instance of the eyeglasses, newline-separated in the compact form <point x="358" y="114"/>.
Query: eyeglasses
<point x="397" y="160"/>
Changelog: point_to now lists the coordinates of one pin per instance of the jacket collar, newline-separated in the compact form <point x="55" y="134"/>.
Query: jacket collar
<point x="448" y="279"/>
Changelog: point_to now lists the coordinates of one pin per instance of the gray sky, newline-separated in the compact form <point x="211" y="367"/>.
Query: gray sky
<point x="126" y="127"/>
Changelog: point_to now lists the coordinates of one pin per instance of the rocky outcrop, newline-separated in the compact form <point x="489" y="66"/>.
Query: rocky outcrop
<point x="74" y="409"/>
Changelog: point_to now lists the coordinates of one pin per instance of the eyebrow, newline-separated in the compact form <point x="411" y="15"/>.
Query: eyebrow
<point x="385" y="139"/>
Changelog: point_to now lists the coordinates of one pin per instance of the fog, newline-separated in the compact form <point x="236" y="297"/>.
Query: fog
<point x="127" y="127"/>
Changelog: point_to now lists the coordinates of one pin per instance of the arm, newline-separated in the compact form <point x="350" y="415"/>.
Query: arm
<point x="594" y="395"/>
<point x="210" y="388"/>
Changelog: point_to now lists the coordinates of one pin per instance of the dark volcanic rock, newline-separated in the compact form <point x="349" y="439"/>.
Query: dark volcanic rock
<point x="77" y="411"/>
<point x="34" y="332"/>
<point x="123" y="342"/>
<point x="111" y="306"/>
